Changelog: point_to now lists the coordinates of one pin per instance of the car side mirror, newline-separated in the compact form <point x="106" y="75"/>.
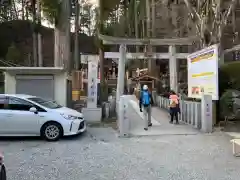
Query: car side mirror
<point x="33" y="109"/>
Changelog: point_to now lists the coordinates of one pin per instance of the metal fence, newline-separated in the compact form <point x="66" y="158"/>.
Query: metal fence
<point x="190" y="111"/>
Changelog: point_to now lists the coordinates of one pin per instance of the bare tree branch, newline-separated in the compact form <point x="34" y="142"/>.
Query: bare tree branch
<point x="192" y="10"/>
<point x="228" y="12"/>
<point x="209" y="18"/>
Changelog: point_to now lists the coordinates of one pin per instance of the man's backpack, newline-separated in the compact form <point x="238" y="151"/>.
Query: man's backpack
<point x="146" y="99"/>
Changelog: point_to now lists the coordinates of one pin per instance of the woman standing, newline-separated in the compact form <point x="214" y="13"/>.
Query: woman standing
<point x="174" y="108"/>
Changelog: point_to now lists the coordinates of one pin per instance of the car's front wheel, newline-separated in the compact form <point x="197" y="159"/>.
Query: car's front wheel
<point x="52" y="131"/>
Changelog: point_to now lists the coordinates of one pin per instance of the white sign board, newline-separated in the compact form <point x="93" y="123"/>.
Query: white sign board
<point x="92" y="84"/>
<point x="203" y="73"/>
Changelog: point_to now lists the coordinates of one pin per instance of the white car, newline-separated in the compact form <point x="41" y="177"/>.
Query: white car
<point x="26" y="115"/>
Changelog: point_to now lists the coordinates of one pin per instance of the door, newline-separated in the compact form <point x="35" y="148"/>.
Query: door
<point x="19" y="119"/>
<point x="42" y="86"/>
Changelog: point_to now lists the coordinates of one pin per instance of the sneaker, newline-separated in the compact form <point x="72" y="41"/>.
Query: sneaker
<point x="177" y="122"/>
<point x="145" y="129"/>
<point x="149" y="125"/>
<point x="170" y="122"/>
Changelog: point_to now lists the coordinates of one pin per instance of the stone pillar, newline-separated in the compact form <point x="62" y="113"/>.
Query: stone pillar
<point x="92" y="84"/>
<point x="206" y="114"/>
<point x="173" y="69"/>
<point x="121" y="72"/>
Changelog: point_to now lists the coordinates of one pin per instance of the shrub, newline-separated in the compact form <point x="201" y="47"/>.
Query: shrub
<point x="229" y="77"/>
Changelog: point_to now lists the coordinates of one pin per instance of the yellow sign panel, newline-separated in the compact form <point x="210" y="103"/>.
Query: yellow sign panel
<point x="203" y="74"/>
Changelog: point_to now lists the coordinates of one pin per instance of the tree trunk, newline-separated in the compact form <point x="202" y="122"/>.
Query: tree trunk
<point x="136" y="26"/>
<point x="62" y="37"/>
<point x="136" y="22"/>
<point x="40" y="58"/>
<point x="16" y="14"/>
<point x="103" y="85"/>
<point x="23" y="10"/>
<point x="148" y="48"/>
<point x="35" y="44"/>
<point x="76" y="40"/>
<point x="57" y="62"/>
<point x="153" y="29"/>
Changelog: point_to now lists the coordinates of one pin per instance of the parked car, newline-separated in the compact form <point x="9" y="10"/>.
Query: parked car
<point x="26" y="115"/>
<point x="3" y="175"/>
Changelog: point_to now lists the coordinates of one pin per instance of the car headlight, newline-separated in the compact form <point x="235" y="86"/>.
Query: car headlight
<point x="69" y="117"/>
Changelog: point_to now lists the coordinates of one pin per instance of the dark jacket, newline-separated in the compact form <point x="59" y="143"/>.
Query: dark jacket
<point x="175" y="109"/>
<point x="140" y="99"/>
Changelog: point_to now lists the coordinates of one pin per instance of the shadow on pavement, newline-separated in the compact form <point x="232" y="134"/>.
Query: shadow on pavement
<point x="36" y="138"/>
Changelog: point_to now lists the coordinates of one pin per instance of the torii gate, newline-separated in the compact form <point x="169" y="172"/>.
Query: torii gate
<point x="122" y="56"/>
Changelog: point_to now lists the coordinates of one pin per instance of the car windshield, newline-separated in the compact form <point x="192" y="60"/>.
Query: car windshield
<point x="46" y="103"/>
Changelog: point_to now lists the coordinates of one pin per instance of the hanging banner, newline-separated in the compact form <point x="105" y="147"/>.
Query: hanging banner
<point x="203" y="73"/>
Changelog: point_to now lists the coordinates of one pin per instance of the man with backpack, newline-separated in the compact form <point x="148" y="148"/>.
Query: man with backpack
<point x="145" y="102"/>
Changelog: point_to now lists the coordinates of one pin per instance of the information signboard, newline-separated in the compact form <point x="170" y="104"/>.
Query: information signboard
<point x="203" y="73"/>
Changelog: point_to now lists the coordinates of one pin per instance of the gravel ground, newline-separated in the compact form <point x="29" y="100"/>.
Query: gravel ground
<point x="100" y="155"/>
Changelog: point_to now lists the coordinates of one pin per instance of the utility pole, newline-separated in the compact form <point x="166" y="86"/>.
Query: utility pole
<point x="76" y="40"/>
<point x="39" y="36"/>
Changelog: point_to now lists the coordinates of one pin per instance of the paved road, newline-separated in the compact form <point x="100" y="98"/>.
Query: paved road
<point x="99" y="155"/>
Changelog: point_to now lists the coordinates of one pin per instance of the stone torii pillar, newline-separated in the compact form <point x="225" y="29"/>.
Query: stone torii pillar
<point x="173" y="69"/>
<point x="121" y="71"/>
